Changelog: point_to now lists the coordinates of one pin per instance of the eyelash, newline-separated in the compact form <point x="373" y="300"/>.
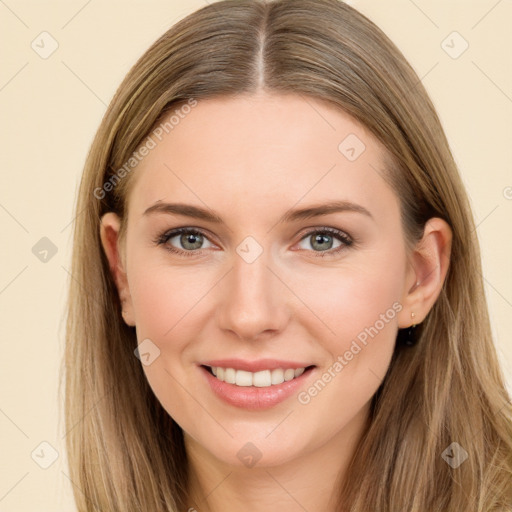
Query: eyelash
<point x="163" y="238"/>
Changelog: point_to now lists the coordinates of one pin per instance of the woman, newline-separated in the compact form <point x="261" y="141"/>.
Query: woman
<point x="278" y="300"/>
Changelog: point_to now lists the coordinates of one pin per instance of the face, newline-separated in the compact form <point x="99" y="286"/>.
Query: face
<point x="267" y="283"/>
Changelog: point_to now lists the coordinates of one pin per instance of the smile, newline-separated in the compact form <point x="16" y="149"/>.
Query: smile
<point x="269" y="383"/>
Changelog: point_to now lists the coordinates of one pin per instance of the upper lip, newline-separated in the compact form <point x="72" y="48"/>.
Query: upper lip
<point x="255" y="366"/>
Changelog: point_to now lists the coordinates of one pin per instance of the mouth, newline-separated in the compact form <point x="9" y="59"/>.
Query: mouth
<point x="270" y="382"/>
<point x="260" y="379"/>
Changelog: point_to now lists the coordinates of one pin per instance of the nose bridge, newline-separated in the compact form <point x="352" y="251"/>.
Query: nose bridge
<point x="252" y="300"/>
<point x="252" y="279"/>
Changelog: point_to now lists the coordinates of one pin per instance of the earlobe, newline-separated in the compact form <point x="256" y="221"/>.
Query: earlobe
<point x="429" y="263"/>
<point x="109" y="233"/>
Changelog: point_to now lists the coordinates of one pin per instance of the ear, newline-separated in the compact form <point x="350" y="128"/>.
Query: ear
<point x="109" y="233"/>
<point x="427" y="269"/>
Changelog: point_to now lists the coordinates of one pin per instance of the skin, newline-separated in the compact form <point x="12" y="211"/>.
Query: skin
<point x="251" y="159"/>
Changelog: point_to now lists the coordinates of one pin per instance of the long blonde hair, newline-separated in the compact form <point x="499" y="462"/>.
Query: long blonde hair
<point x="125" y="452"/>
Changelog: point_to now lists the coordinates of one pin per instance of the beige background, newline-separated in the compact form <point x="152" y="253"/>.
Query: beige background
<point x="51" y="108"/>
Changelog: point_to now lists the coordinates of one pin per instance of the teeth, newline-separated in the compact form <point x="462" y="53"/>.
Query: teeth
<point x="243" y="378"/>
<point x="277" y="376"/>
<point x="261" y="379"/>
<point x="230" y="376"/>
<point x="289" y="374"/>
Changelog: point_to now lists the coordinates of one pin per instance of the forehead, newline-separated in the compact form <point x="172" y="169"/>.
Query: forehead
<point x="260" y="151"/>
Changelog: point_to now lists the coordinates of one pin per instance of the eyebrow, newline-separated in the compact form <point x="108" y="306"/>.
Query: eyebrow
<point x="196" y="212"/>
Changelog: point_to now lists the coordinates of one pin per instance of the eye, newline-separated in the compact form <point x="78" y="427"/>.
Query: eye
<point x="322" y="241"/>
<point x="189" y="241"/>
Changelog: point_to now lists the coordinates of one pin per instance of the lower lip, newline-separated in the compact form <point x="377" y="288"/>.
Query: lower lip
<point x="252" y="397"/>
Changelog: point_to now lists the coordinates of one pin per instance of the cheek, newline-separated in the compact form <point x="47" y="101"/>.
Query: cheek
<point x="169" y="303"/>
<point x="364" y="302"/>
<point x="348" y="300"/>
<point x="354" y="322"/>
<point x="163" y="297"/>
<point x="164" y="301"/>
<point x="362" y="309"/>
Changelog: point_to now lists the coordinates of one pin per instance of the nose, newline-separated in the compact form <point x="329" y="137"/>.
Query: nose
<point x="253" y="302"/>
